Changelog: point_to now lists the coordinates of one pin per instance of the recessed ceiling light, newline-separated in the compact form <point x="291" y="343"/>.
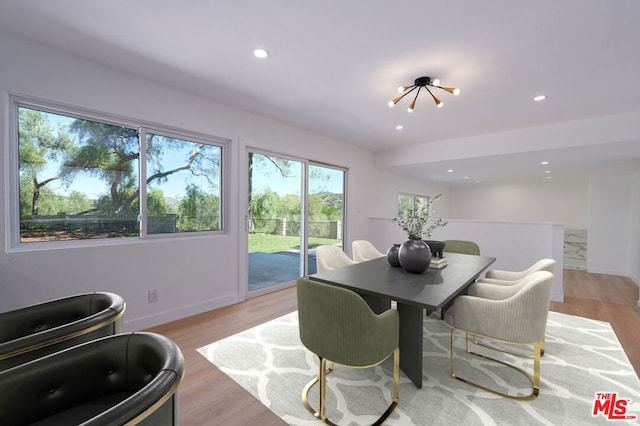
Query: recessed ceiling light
<point x="547" y="171"/>
<point x="540" y="98"/>
<point x="544" y="163"/>
<point x="450" y="171"/>
<point x="466" y="177"/>
<point x="261" y="53"/>
<point x="399" y="127"/>
<point x="549" y="177"/>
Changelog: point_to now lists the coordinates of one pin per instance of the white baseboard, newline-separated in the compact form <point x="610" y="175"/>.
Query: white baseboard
<point x="149" y="321"/>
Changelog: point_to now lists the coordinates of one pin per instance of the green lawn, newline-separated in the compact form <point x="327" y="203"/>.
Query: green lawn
<point x="269" y="243"/>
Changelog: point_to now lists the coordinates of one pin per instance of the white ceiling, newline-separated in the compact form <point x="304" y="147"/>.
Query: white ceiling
<point x="335" y="64"/>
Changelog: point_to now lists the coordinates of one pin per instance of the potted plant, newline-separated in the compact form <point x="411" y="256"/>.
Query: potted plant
<point x="415" y="255"/>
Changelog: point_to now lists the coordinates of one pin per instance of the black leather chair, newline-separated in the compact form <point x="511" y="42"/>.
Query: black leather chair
<point x="38" y="330"/>
<point x="124" y="379"/>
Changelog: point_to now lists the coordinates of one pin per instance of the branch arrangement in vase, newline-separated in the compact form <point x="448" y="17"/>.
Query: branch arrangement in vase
<point x="414" y="222"/>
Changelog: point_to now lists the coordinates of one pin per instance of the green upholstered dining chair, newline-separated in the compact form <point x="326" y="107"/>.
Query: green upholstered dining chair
<point x="461" y="246"/>
<point x="338" y="326"/>
<point x="515" y="315"/>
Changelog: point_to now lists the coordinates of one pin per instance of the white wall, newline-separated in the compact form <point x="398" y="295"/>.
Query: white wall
<point x="390" y="184"/>
<point x="609" y="239"/>
<point x="557" y="202"/>
<point x="192" y="274"/>
<point x="608" y="207"/>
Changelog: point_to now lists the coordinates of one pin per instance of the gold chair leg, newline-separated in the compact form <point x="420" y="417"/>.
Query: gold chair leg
<point x="533" y="378"/>
<point x="322" y="374"/>
<point x="479" y="343"/>
<point x="396" y="387"/>
<point x="321" y="378"/>
<point x="322" y="392"/>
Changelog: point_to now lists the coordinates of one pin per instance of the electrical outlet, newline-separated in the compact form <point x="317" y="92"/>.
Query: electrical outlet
<point x="153" y="295"/>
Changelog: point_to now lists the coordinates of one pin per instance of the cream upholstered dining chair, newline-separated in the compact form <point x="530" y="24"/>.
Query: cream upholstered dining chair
<point x="498" y="289"/>
<point x="329" y="257"/>
<point x="338" y="326"/>
<point x="515" y="315"/>
<point x="363" y="250"/>
<point x="501" y="277"/>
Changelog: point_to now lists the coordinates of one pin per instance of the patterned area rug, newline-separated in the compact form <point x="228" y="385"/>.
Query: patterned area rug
<point x="583" y="358"/>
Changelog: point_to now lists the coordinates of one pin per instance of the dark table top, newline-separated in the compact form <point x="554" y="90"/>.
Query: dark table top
<point x="431" y="289"/>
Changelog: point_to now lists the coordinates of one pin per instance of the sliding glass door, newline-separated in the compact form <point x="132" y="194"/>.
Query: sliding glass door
<point x="294" y="206"/>
<point x="325" y="197"/>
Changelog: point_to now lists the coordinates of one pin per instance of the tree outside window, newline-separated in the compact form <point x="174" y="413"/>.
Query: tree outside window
<point x="81" y="179"/>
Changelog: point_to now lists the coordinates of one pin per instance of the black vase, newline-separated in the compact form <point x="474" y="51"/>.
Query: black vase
<point x="436" y="247"/>
<point x="392" y="256"/>
<point x="414" y="256"/>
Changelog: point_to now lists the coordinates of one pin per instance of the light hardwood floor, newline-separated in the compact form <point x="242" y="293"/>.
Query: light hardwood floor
<point x="208" y="397"/>
<point x="607" y="298"/>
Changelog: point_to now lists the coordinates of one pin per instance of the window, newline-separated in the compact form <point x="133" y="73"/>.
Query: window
<point x="409" y="204"/>
<point x="83" y="177"/>
<point x="183" y="185"/>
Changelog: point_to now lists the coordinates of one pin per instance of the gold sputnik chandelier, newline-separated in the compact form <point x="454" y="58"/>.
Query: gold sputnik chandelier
<point x="422" y="83"/>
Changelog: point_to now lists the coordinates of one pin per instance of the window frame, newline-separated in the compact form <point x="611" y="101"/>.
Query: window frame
<point x="190" y="137"/>
<point x="426" y="199"/>
<point x="12" y="167"/>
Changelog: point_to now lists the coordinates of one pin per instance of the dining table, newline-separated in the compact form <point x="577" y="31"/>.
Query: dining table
<point x="379" y="283"/>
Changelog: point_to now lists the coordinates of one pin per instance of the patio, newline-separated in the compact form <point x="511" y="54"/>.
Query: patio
<point x="267" y="269"/>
